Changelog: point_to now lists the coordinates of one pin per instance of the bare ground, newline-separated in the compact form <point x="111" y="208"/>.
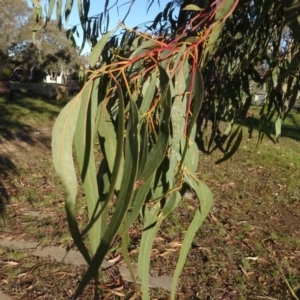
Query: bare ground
<point x="248" y="248"/>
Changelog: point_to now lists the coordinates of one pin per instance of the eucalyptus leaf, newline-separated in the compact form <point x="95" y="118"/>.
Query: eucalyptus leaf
<point x="96" y="53"/>
<point x="192" y="7"/>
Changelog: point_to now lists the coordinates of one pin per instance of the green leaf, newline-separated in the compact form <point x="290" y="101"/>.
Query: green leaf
<point x="198" y="94"/>
<point x="275" y="75"/>
<point x="224" y="9"/>
<point x="178" y="119"/>
<point x="170" y="204"/>
<point x="62" y="142"/>
<point x="124" y="249"/>
<point x="191" y="159"/>
<point x="157" y="20"/>
<point x="148" y="92"/>
<point x="106" y="131"/>
<point x="84" y="142"/>
<point x="166" y="10"/>
<point x="178" y="59"/>
<point x="50" y="9"/>
<point x="144" y="47"/>
<point x="123" y="201"/>
<point x="206" y="200"/>
<point x="86" y="8"/>
<point x="70" y="37"/>
<point x="192" y="7"/>
<point x="149" y="232"/>
<point x="80" y="10"/>
<point x="158" y="151"/>
<point x="115" y="173"/>
<point x="58" y="13"/>
<point x="37" y="3"/>
<point x="198" y="91"/>
<point x="68" y="9"/>
<point x="95" y="30"/>
<point x="278" y="124"/>
<point x="97" y="50"/>
<point x="144" y="146"/>
<point x="153" y="220"/>
<point x="138" y="201"/>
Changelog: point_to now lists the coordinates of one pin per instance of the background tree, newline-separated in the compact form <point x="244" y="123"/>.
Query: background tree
<point x="51" y="50"/>
<point x="51" y="53"/>
<point x="12" y="19"/>
<point x="158" y="91"/>
<point x="56" y="54"/>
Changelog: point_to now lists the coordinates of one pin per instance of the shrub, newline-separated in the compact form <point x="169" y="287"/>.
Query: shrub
<point x="6" y="73"/>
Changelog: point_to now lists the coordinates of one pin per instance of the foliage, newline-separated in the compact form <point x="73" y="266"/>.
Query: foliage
<point x="13" y="18"/>
<point x="6" y="73"/>
<point x="155" y="94"/>
<point x="56" y="53"/>
<point x="149" y="154"/>
<point x="51" y="50"/>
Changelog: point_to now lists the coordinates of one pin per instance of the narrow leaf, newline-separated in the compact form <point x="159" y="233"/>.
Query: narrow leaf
<point x="50" y="9"/>
<point x="68" y="9"/>
<point x="192" y="7"/>
<point x="62" y="141"/>
<point x="58" y="13"/>
<point x="150" y="229"/>
<point x="278" y="127"/>
<point x="124" y="199"/>
<point x="97" y="50"/>
<point x="84" y="142"/>
<point x="206" y="200"/>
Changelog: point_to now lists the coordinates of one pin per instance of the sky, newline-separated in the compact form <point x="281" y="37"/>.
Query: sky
<point x="138" y="13"/>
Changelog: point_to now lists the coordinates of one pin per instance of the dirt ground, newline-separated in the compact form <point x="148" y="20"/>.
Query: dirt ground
<point x="248" y="248"/>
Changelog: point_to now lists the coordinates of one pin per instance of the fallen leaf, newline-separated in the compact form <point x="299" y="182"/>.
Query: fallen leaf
<point x="69" y="293"/>
<point x="252" y="258"/>
<point x="117" y="293"/>
<point x="244" y="271"/>
<point x="175" y="244"/>
<point x="21" y="275"/>
<point x="115" y="259"/>
<point x="134" y="296"/>
<point x="107" y="295"/>
<point x="11" y="263"/>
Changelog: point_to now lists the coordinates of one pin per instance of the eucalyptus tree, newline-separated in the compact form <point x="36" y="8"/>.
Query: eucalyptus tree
<point x="12" y="19"/>
<point x="150" y="94"/>
<point x="50" y="51"/>
<point x="56" y="53"/>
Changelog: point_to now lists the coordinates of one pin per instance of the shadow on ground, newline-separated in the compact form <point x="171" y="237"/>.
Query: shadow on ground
<point x="25" y="122"/>
<point x="7" y="167"/>
<point x="20" y="116"/>
<point x="290" y="127"/>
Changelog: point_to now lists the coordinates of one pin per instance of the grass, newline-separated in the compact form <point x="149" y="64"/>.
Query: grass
<point x="254" y="222"/>
<point x="25" y="112"/>
<point x="28" y="178"/>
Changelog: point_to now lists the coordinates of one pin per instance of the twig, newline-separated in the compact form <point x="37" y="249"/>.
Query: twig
<point x="286" y="281"/>
<point x="265" y="297"/>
